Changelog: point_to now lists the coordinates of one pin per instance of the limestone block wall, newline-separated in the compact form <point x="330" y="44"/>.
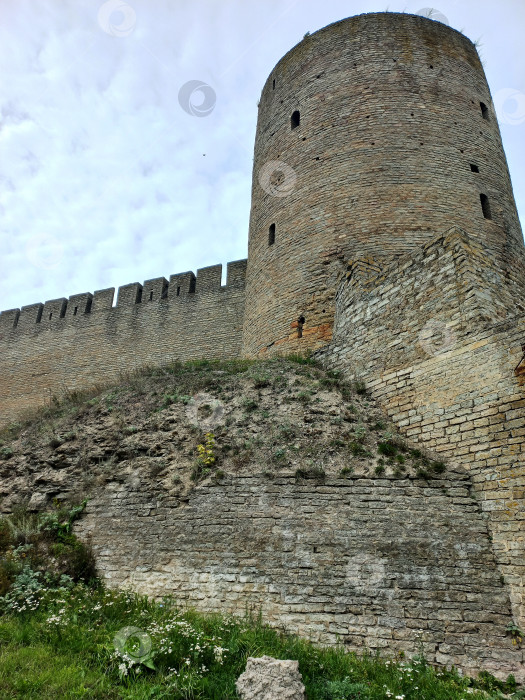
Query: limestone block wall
<point x="365" y="562"/>
<point x="63" y="345"/>
<point x="395" y="140"/>
<point x="439" y="344"/>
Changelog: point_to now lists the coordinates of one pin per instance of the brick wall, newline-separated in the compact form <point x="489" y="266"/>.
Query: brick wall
<point x="390" y="125"/>
<point x="369" y="562"/>
<point x="63" y="345"/>
<point x="437" y="337"/>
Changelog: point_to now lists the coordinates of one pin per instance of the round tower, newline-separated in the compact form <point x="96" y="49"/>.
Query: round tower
<point x="375" y="135"/>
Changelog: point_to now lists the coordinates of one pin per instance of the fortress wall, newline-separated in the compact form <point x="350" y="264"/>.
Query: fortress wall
<point x="433" y="345"/>
<point x="365" y="562"/>
<point x="64" y="345"/>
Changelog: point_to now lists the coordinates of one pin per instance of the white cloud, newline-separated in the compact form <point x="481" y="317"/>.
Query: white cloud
<point x="98" y="156"/>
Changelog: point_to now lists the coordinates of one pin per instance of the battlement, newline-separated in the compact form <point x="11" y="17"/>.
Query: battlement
<point x="67" y="344"/>
<point x="181" y="287"/>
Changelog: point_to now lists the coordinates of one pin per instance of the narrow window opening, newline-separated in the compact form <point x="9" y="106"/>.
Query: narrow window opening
<point x="271" y="235"/>
<point x="295" y="120"/>
<point x="50" y="316"/>
<point x="75" y="311"/>
<point x="192" y="285"/>
<point x="151" y="296"/>
<point x="273" y="84"/>
<point x="315" y="550"/>
<point x="484" y="110"/>
<point x="89" y="302"/>
<point x="485" y="205"/>
<point x="474" y="168"/>
<point x="178" y="291"/>
<point x="300" y="324"/>
<point x="139" y="296"/>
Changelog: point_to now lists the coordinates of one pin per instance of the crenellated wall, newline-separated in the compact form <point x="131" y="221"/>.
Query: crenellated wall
<point x="437" y="336"/>
<point x="68" y="344"/>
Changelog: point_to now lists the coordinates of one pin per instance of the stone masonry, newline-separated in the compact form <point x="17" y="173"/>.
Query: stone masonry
<point x="442" y="356"/>
<point x="368" y="562"/>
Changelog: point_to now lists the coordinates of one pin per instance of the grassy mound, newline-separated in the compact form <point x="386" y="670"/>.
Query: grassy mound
<point x="283" y="416"/>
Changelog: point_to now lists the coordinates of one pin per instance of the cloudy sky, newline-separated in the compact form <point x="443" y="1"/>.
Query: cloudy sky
<point x="106" y="179"/>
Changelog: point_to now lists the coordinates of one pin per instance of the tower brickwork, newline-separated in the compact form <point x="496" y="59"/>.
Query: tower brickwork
<point x="374" y="135"/>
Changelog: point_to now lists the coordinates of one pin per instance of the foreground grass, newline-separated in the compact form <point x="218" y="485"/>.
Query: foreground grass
<point x="65" y="645"/>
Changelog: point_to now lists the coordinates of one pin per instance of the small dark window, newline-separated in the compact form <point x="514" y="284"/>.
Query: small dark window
<point x="295" y="120"/>
<point x="485" y="205"/>
<point x="484" y="110"/>
<point x="273" y="84"/>
<point x="300" y="324"/>
<point x="151" y="296"/>
<point x="50" y="316"/>
<point x="178" y="291"/>
<point x="75" y="310"/>
<point x="271" y="235"/>
<point x="474" y="168"/>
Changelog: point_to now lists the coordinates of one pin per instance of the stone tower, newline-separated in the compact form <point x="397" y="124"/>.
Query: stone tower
<point x="375" y="135"/>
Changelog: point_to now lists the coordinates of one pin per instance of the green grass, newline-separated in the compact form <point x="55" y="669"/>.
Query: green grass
<point x="37" y="671"/>
<point x="65" y="649"/>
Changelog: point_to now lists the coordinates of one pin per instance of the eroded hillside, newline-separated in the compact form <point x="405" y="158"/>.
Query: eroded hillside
<point x="276" y="417"/>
